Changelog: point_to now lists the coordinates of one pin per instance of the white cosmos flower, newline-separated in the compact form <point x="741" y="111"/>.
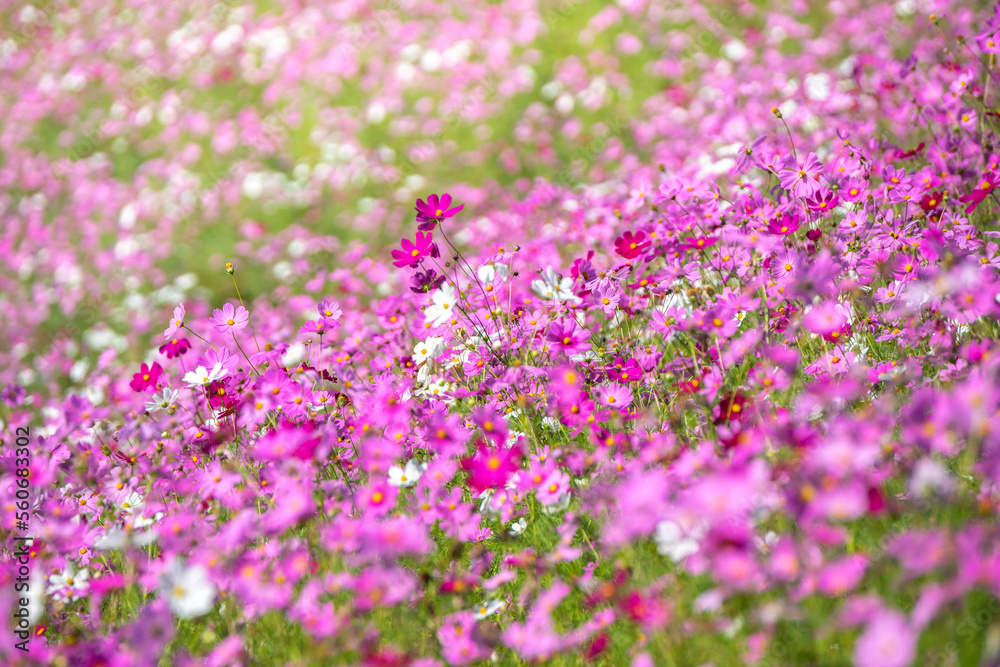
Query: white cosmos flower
<point x="439" y="389"/>
<point x="166" y="398"/>
<point x="442" y="305"/>
<point x="551" y="286"/>
<point x="489" y="608"/>
<point x="200" y="377"/>
<point x="491" y="274"/>
<point x="671" y="542"/>
<point x="517" y="527"/>
<point x="132" y="503"/>
<point x="69" y="583"/>
<point x="429" y="349"/>
<point x="188" y="590"/>
<point x="407" y="476"/>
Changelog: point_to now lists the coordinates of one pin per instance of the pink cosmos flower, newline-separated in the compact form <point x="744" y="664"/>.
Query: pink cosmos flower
<point x="699" y="243"/>
<point x="175" y="347"/>
<point x="460" y="639"/>
<point x="982" y="191"/>
<point x="329" y="310"/>
<point x="176" y="322"/>
<point x="413" y="253"/>
<point x="615" y="396"/>
<point x="888" y="641"/>
<point x="988" y="42"/>
<point x="801" y="178"/>
<point x="607" y="297"/>
<point x="435" y="210"/>
<point x="319" y="327"/>
<point x="491" y="467"/>
<point x="843" y="575"/>
<point x="228" y="318"/>
<point x="825" y="319"/>
<point x="745" y="156"/>
<point x="146" y="377"/>
<point x="630" y="245"/>
<point x="569" y="337"/>
<point x="783" y="225"/>
<point x="625" y="371"/>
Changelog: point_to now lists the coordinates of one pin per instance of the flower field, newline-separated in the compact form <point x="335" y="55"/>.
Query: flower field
<point x="566" y="332"/>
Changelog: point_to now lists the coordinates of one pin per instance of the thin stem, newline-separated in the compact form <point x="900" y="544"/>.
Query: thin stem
<point x="245" y="354"/>
<point x="197" y="336"/>
<point x="792" y="141"/>
<point x="233" y="276"/>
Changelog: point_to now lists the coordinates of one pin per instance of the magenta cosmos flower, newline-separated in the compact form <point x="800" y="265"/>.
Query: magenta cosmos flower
<point x="490" y="468"/>
<point x="228" y="318"/>
<point x="569" y="337"/>
<point x="175" y="347"/>
<point x="699" y="243"/>
<point x="434" y="211"/>
<point x="146" y="377"/>
<point x="976" y="197"/>
<point x="413" y="253"/>
<point x="630" y="245"/>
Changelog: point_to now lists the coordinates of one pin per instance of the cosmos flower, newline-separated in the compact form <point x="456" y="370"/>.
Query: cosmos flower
<point x="552" y="286"/>
<point x="414" y="252"/>
<point x="568" y="337"/>
<point x="147" y="377"/>
<point x="228" y="319"/>
<point x="443" y="305"/>
<point x="201" y="377"/>
<point x="175" y="323"/>
<point x="187" y="589"/>
<point x="887" y="641"/>
<point x="630" y="246"/>
<point x="167" y="399"/>
<point x="408" y="475"/>
<point x="434" y="210"/>
<point x="70" y="583"/>
<point x="616" y="396"/>
<point x="175" y="347"/>
<point x="491" y="467"/>
<point x="699" y="243"/>
<point x="983" y="190"/>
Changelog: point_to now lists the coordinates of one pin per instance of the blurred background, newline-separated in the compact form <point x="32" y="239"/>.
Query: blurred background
<point x="144" y="144"/>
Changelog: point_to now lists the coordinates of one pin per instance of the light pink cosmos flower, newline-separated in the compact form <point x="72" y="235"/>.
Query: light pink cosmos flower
<point x="888" y="641"/>
<point x="175" y="323"/>
<point x="801" y="178"/>
<point x="614" y="396"/>
<point x="228" y="318"/>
